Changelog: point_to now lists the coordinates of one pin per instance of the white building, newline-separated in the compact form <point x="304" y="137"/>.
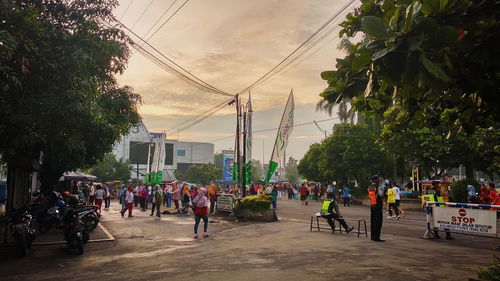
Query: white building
<point x="180" y="155"/>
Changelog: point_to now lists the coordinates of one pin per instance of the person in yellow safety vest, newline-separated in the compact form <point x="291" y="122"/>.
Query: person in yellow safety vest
<point x="435" y="190"/>
<point x="330" y="211"/>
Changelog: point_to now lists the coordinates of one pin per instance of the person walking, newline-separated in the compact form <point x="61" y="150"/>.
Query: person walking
<point x="91" y="194"/>
<point x="376" y="195"/>
<point x="397" y="197"/>
<point x="345" y="196"/>
<point x="130" y="200"/>
<point x="212" y="194"/>
<point x="135" y="190"/>
<point x="157" y="201"/>
<point x="99" y="197"/>
<point x="391" y="201"/>
<point x="144" y="194"/>
<point x="304" y="193"/>
<point x="122" y="194"/>
<point x="200" y="204"/>
<point x="107" y="198"/>
<point x="175" y="196"/>
<point x="274" y="197"/>
<point x="168" y="196"/>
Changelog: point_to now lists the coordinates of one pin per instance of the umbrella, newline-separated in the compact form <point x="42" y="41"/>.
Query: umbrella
<point x="77" y="176"/>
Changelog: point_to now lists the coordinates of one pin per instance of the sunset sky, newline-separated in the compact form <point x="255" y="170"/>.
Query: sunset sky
<point x="230" y="44"/>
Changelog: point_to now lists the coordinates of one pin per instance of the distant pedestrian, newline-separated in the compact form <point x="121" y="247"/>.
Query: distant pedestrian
<point x="143" y="197"/>
<point x="99" y="197"/>
<point x="107" y="198"/>
<point x="274" y="197"/>
<point x="345" y="196"/>
<point x="212" y="194"/>
<point x="135" y="191"/>
<point x="91" y="194"/>
<point x="157" y="201"/>
<point x="123" y="193"/>
<point x="391" y="201"/>
<point x="168" y="196"/>
<point x="129" y="199"/>
<point x="200" y="204"/>
<point x="304" y="194"/>
<point x="376" y="195"/>
<point x="175" y="196"/>
<point x="397" y="196"/>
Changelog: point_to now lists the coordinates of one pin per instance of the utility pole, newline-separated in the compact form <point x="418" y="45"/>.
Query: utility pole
<point x="237" y="152"/>
<point x="243" y="167"/>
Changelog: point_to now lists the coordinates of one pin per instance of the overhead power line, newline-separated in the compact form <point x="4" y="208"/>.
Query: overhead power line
<point x="161" y="17"/>
<point x="298" y="50"/>
<point x="176" y="68"/>
<point x="126" y="9"/>
<point x="165" y="22"/>
<point x="142" y="14"/>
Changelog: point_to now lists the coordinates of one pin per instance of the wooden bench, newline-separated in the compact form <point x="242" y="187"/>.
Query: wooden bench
<point x="319" y="226"/>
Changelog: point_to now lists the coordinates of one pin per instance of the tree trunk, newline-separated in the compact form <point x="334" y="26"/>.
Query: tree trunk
<point x="469" y="171"/>
<point x="49" y="179"/>
<point x="18" y="182"/>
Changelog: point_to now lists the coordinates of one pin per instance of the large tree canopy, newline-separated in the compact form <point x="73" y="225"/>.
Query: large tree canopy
<point x="430" y="68"/>
<point x="111" y="169"/>
<point x="59" y="95"/>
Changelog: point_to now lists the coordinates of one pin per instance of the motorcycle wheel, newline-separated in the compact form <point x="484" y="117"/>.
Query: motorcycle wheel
<point x="90" y="222"/>
<point x="45" y="227"/>
<point x="21" y="246"/>
<point x="78" y="246"/>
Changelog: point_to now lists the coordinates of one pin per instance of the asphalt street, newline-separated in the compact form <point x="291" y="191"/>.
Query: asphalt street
<point x="145" y="249"/>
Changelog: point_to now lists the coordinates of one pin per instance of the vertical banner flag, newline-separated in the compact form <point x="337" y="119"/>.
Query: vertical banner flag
<point x="161" y="159"/>
<point x="248" y="142"/>
<point x="281" y="142"/>
<point x="147" y="177"/>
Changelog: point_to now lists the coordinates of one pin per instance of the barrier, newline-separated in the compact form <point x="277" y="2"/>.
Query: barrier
<point x="462" y="220"/>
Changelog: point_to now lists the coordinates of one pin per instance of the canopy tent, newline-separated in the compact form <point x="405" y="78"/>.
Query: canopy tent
<point x="77" y="176"/>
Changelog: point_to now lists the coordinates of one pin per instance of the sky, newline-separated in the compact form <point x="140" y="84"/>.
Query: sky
<point x="230" y="44"/>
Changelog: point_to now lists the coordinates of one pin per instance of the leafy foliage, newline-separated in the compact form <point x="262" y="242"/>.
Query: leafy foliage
<point x="109" y="169"/>
<point x="291" y="170"/>
<point x="203" y="174"/>
<point x="490" y="272"/>
<point x="459" y="190"/>
<point x="429" y="69"/>
<point x="59" y="95"/>
<point x="349" y="153"/>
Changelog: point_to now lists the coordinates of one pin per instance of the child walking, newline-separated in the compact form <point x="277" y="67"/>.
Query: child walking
<point x="200" y="204"/>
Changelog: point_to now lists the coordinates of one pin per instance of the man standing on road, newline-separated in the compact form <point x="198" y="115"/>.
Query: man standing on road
<point x="345" y="196"/>
<point x="376" y="194"/>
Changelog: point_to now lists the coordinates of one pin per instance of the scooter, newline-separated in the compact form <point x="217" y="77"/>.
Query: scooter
<point x="22" y="231"/>
<point x="75" y="234"/>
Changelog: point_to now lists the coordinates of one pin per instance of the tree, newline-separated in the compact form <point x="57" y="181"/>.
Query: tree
<point x="430" y="66"/>
<point x="351" y="153"/>
<point x="257" y="173"/>
<point x="308" y="165"/>
<point x="109" y="169"/>
<point x="59" y="95"/>
<point x="291" y="170"/>
<point x="203" y="173"/>
<point x="219" y="160"/>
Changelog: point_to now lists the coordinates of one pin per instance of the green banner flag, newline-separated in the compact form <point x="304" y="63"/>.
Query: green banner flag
<point x="146" y="178"/>
<point x="159" y="177"/>
<point x="235" y="172"/>
<point x="248" y="173"/>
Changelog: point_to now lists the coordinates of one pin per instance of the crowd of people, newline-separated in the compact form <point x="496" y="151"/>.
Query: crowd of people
<point x="487" y="194"/>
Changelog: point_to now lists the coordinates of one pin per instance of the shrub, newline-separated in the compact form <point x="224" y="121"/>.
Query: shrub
<point x="255" y="203"/>
<point x="412" y="195"/>
<point x="459" y="190"/>
<point x="491" y="272"/>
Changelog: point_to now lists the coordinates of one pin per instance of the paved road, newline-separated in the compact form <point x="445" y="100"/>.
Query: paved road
<point x="146" y="249"/>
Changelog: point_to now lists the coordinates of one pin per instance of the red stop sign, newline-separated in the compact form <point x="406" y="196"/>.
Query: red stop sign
<point x="462" y="212"/>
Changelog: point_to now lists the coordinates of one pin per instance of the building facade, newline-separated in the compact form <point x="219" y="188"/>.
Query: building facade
<point x="179" y="155"/>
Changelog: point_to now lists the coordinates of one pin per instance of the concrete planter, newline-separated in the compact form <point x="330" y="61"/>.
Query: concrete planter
<point x="249" y="215"/>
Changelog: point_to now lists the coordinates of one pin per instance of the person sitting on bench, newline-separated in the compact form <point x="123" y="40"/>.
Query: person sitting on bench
<point x="330" y="211"/>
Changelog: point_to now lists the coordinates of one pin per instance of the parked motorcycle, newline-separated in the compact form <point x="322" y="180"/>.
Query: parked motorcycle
<point x="55" y="214"/>
<point x="74" y="232"/>
<point x="23" y="232"/>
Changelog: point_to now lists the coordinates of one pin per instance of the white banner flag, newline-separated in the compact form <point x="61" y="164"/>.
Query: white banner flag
<point x="284" y="131"/>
